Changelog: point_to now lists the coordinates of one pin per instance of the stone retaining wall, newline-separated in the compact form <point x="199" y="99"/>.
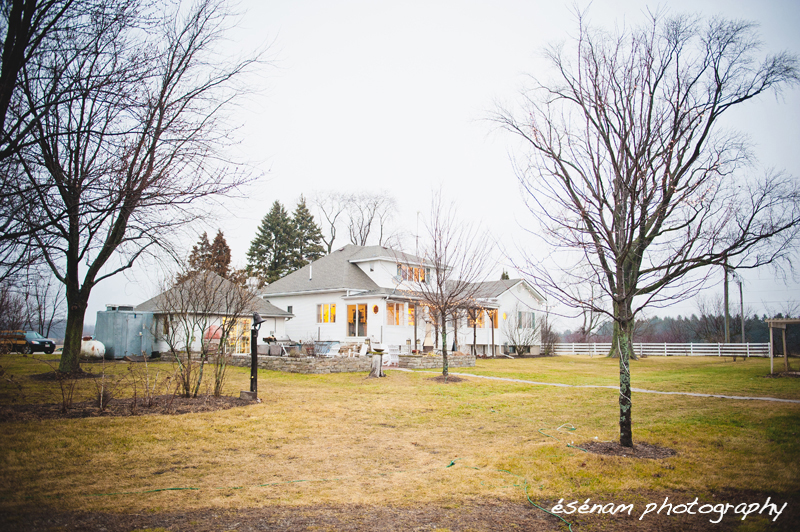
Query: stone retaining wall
<point x="429" y="362"/>
<point x="308" y="365"/>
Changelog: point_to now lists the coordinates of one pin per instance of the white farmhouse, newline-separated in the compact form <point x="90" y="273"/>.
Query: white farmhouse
<point x="358" y="292"/>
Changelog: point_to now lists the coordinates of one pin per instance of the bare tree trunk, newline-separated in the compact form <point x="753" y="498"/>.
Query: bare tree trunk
<point x="77" y="302"/>
<point x="625" y="349"/>
<point x="475" y="336"/>
<point x="445" y="368"/>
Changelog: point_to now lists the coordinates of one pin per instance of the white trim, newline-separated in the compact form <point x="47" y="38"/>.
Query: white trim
<point x="303" y="292"/>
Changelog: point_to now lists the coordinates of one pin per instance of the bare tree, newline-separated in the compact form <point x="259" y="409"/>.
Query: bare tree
<point x="548" y="337"/>
<point x="631" y="172"/>
<point x="366" y="216"/>
<point x="590" y="317"/>
<point x="332" y="206"/>
<point x="28" y="29"/>
<point x="44" y="301"/>
<point x="12" y="309"/>
<point x="521" y="330"/>
<point x="369" y="213"/>
<point x="203" y="320"/>
<point x="456" y="257"/>
<point x="132" y="138"/>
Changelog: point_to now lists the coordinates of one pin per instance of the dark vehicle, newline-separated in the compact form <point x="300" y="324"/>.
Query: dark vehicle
<point x="37" y="342"/>
<point x="26" y="342"/>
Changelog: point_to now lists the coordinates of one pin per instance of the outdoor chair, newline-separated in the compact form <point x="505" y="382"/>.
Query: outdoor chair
<point x="392" y="357"/>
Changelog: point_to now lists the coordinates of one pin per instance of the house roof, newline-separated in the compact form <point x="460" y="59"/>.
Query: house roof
<point x="367" y="253"/>
<point x="337" y="271"/>
<point x="160" y="303"/>
<point x="494" y="289"/>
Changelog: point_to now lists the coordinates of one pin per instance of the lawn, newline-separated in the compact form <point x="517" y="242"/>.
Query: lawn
<point x="405" y="440"/>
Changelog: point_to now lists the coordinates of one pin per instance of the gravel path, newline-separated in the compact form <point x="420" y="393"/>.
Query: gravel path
<point x="637" y="390"/>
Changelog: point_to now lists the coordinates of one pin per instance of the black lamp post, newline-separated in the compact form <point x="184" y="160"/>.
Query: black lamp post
<point x="257" y="321"/>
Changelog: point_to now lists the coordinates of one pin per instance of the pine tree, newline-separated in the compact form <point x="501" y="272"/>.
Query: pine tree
<point x="309" y="236"/>
<point x="214" y="257"/>
<point x="220" y="256"/>
<point x="270" y="256"/>
<point x="201" y="254"/>
<point x="504" y="276"/>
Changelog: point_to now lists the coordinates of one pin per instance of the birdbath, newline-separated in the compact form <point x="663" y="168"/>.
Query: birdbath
<point x="377" y="361"/>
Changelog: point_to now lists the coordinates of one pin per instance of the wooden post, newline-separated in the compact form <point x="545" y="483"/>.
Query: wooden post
<point x="415" y="327"/>
<point x="771" y="352"/>
<point x="785" y="353"/>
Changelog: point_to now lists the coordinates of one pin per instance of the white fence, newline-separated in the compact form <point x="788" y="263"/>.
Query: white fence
<point x="674" y="350"/>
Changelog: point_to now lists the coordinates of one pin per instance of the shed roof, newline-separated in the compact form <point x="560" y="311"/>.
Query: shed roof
<point x="159" y="303"/>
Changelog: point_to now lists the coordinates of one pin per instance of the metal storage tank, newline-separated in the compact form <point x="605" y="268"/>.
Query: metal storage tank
<point x="124" y="332"/>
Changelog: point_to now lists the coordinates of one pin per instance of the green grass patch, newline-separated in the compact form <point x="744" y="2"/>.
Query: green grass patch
<point x="712" y="375"/>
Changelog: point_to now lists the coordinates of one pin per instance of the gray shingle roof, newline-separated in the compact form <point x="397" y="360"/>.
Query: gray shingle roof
<point x="158" y="304"/>
<point x="375" y="252"/>
<point x="331" y="272"/>
<point x="492" y="289"/>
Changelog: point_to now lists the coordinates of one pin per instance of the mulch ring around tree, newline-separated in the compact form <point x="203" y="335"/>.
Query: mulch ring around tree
<point x="790" y="374"/>
<point x="447" y="380"/>
<point x="52" y="376"/>
<point x="639" y="450"/>
<point x="158" y="405"/>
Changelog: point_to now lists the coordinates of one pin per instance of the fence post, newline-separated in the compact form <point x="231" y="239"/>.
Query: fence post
<point x="719" y="350"/>
<point x="748" y="349"/>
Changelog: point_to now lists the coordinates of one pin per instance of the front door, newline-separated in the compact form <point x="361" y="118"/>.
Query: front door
<point x="357" y="320"/>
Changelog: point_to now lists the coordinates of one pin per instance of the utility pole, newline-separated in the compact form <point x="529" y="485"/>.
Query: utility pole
<point x="741" y="305"/>
<point x="727" y="312"/>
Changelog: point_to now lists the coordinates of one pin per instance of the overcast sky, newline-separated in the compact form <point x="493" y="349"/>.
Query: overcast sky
<point x="370" y="95"/>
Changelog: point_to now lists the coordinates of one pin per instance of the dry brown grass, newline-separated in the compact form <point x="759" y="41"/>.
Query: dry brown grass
<point x="334" y="439"/>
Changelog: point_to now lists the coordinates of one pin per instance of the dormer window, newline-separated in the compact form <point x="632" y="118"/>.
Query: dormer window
<point x="412" y="273"/>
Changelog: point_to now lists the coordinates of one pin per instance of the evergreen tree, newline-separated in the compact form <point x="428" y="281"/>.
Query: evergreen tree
<point x="504" y="276"/>
<point x="309" y="236"/>
<point x="214" y="257"/>
<point x="271" y="252"/>
<point x="220" y="256"/>
<point x="200" y="256"/>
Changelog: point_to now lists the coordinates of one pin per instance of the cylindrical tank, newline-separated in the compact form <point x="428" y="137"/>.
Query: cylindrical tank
<point x="92" y="349"/>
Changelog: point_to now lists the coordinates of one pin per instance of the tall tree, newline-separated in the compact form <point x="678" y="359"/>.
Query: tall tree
<point x="631" y="168"/>
<point x="200" y="257"/>
<point x="367" y="217"/>
<point x="128" y="141"/>
<point x="220" y="256"/>
<point x="271" y="253"/>
<point x="455" y="256"/>
<point x="29" y="29"/>
<point x="212" y="257"/>
<point x="333" y="207"/>
<point x="308" y="236"/>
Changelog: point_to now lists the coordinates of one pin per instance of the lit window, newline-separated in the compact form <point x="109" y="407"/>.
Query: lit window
<point x="326" y="313"/>
<point x="411" y="317"/>
<point x="475" y="319"/>
<point x="394" y="313"/>
<point x="412" y="273"/>
<point x="492" y="315"/>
